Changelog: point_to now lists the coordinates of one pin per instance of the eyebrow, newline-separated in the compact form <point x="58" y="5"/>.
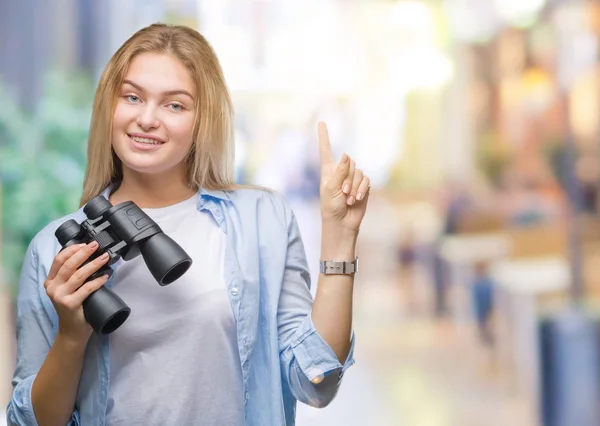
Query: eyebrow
<point x="167" y="93"/>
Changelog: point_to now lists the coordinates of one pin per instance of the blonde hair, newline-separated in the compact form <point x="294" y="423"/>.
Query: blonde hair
<point x="209" y="163"/>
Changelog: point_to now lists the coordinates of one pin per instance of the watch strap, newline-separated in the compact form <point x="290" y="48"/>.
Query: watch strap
<point x="333" y="267"/>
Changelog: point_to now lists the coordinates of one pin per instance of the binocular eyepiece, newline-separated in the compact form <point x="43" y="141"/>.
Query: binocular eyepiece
<point x="123" y="231"/>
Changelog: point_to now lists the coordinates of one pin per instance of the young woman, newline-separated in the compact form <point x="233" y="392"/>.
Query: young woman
<point x="236" y="340"/>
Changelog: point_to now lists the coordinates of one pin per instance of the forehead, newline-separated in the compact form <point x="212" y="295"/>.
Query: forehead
<point x="159" y="72"/>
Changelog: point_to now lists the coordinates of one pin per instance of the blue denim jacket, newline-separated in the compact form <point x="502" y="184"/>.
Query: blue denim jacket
<point x="283" y="358"/>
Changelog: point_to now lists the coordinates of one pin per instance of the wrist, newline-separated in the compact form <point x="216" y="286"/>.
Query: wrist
<point x="71" y="342"/>
<point x="338" y="243"/>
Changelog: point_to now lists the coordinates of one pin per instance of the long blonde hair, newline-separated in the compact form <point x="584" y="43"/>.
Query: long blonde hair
<point x="209" y="163"/>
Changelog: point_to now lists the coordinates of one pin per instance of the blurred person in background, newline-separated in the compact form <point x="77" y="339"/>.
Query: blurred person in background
<point x="588" y="174"/>
<point x="456" y="202"/>
<point x="238" y="339"/>
<point x="527" y="200"/>
<point x="482" y="297"/>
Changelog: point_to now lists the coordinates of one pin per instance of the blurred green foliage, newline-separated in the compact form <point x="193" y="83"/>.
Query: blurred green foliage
<point x="42" y="161"/>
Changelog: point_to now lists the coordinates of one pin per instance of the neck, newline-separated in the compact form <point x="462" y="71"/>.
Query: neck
<point x="151" y="191"/>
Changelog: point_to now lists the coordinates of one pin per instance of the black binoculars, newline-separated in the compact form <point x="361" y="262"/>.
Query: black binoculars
<point x="123" y="231"/>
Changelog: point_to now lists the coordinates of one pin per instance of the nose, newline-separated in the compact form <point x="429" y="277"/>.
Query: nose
<point x="147" y="119"/>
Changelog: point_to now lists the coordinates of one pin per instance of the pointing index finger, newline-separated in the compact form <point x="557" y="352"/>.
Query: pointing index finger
<point x="324" y="144"/>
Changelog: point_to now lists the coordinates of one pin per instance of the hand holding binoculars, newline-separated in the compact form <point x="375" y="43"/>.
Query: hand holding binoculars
<point x="123" y="231"/>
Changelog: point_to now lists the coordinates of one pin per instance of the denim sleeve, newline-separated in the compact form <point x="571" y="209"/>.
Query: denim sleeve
<point x="34" y="338"/>
<point x="309" y="365"/>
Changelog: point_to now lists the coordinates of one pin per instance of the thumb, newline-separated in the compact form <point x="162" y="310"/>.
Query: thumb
<point x="341" y="172"/>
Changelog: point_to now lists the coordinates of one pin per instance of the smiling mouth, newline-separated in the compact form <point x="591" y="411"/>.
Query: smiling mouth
<point x="145" y="141"/>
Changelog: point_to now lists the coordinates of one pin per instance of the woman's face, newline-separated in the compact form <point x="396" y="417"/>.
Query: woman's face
<point x="154" y="116"/>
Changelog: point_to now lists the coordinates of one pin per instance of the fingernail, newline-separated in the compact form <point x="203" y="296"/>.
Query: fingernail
<point x="350" y="200"/>
<point x="93" y="244"/>
<point x="344" y="159"/>
<point x="104" y="256"/>
<point x="359" y="196"/>
<point x="346" y="188"/>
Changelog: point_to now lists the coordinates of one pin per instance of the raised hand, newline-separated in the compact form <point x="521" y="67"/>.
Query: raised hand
<point x="344" y="188"/>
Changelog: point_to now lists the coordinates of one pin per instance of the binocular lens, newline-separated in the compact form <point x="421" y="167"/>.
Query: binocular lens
<point x="165" y="259"/>
<point x="67" y="231"/>
<point x="105" y="311"/>
<point x="96" y="207"/>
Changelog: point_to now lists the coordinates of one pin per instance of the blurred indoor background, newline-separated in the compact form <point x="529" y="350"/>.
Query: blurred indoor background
<point x="479" y="124"/>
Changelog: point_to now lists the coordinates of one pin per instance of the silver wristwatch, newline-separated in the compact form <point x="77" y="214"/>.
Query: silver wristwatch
<point x="332" y="267"/>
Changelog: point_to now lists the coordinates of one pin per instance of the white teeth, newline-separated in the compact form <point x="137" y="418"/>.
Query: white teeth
<point x="146" y="140"/>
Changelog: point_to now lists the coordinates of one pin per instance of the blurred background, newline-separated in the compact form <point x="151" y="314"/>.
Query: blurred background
<point x="479" y="124"/>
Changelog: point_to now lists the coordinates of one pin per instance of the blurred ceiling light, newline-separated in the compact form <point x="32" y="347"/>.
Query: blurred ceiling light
<point x="409" y="14"/>
<point x="471" y="20"/>
<point x="311" y="53"/>
<point x="519" y="12"/>
<point x="413" y="59"/>
<point x="478" y="21"/>
<point x="422" y="67"/>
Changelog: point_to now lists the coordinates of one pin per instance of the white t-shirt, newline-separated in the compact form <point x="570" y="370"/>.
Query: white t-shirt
<point x="175" y="360"/>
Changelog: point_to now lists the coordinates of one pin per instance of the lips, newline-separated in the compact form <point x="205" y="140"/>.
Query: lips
<point x="145" y="143"/>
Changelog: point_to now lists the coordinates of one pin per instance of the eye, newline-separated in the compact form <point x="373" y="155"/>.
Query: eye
<point x="173" y="106"/>
<point x="132" y="98"/>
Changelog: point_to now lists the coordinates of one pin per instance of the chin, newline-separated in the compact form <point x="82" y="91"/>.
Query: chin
<point x="145" y="168"/>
